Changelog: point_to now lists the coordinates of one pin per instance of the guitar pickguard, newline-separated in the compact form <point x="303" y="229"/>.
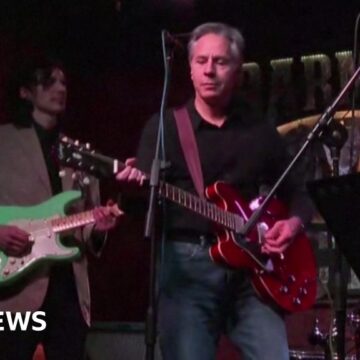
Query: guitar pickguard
<point x="45" y="245"/>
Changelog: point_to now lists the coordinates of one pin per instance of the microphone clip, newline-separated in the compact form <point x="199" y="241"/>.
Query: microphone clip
<point x="171" y="41"/>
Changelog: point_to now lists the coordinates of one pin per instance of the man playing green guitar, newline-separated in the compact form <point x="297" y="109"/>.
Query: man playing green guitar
<point x="29" y="176"/>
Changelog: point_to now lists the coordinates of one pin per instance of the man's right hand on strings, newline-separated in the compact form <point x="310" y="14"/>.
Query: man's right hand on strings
<point x="13" y="240"/>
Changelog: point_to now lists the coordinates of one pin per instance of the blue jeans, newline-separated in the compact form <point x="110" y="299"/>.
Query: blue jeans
<point x="200" y="300"/>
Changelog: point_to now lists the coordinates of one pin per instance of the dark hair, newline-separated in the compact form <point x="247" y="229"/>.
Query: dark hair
<point x="31" y="72"/>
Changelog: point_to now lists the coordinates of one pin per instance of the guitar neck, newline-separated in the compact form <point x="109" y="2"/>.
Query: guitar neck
<point x="181" y="197"/>
<point x="72" y="221"/>
<point x="200" y="206"/>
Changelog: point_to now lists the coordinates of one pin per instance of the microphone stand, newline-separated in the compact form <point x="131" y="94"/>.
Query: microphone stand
<point x="324" y="121"/>
<point x="334" y="137"/>
<point x="158" y="164"/>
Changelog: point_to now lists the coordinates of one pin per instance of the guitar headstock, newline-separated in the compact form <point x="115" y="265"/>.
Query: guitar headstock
<point x="74" y="154"/>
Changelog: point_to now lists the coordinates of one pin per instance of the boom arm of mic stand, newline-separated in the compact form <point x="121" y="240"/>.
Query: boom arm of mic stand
<point x="324" y="121"/>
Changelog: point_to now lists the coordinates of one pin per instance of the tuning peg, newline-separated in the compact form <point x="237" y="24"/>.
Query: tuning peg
<point x="86" y="180"/>
<point x="76" y="143"/>
<point x="62" y="173"/>
<point x="87" y="146"/>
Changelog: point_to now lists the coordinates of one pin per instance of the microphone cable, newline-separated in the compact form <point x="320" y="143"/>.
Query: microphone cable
<point x="352" y="168"/>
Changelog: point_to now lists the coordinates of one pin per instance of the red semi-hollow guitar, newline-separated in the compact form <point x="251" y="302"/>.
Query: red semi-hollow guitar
<point x="289" y="279"/>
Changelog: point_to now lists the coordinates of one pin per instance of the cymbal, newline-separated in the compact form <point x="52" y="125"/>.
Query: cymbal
<point x="310" y="121"/>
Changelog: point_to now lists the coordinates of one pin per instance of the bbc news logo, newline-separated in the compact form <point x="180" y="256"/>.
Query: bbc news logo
<point x="14" y="321"/>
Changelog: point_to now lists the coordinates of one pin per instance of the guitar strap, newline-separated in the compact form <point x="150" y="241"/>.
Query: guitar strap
<point x="189" y="147"/>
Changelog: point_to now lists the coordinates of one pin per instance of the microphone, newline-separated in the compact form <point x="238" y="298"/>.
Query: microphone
<point x="334" y="135"/>
<point x="172" y="40"/>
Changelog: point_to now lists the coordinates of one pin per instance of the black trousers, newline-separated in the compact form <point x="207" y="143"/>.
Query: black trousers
<point x="65" y="333"/>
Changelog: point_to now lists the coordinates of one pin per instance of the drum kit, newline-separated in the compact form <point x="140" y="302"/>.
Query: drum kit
<point x="302" y="126"/>
<point x="310" y="121"/>
<point x="310" y="336"/>
<point x="319" y="334"/>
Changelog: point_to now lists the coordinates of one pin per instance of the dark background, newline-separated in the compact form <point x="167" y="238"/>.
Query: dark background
<point x="112" y="52"/>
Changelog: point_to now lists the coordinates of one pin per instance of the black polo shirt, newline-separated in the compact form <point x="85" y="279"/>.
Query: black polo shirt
<point x="244" y="152"/>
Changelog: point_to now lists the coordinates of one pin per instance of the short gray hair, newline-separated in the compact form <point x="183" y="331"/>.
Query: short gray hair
<point x="237" y="42"/>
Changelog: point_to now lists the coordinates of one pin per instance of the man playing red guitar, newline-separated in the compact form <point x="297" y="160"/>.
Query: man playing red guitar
<point x="199" y="299"/>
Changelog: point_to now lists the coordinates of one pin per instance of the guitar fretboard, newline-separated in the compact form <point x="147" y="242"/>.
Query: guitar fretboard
<point x="201" y="206"/>
<point x="72" y="221"/>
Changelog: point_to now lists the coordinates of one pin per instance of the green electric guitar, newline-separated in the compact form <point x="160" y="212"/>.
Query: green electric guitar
<point x="44" y="222"/>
